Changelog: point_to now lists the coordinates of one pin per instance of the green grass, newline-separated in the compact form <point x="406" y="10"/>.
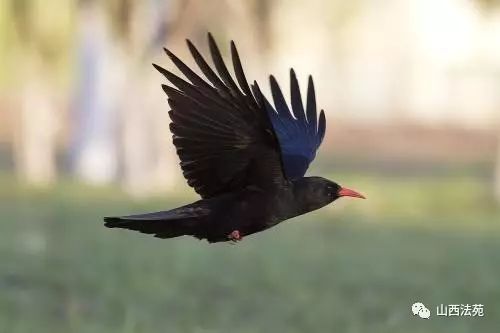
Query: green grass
<point x="356" y="266"/>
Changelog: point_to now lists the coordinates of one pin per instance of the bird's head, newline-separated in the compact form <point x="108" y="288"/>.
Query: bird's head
<point x="317" y="192"/>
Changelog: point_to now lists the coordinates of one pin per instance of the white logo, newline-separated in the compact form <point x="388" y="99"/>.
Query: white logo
<point x="420" y="310"/>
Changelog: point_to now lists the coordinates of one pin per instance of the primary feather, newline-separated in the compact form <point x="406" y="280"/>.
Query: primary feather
<point x="298" y="134"/>
<point x="228" y="135"/>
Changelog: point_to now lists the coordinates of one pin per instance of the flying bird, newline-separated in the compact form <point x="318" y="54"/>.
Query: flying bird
<point x="245" y="156"/>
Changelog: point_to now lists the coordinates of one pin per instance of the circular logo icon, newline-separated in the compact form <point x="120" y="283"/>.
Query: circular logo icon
<point x="420" y="310"/>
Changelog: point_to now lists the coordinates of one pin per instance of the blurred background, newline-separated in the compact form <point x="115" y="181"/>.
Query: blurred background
<point x="412" y="94"/>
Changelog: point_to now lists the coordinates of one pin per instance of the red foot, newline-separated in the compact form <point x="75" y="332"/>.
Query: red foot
<point x="235" y="236"/>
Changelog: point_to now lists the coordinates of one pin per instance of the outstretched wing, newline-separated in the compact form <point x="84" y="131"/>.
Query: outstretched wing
<point x="221" y="132"/>
<point x="299" y="133"/>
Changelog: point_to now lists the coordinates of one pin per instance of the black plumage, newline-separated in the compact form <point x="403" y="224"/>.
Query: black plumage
<point x="245" y="157"/>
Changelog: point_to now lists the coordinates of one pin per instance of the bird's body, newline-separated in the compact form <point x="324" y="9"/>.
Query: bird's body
<point x="249" y="210"/>
<point x="246" y="159"/>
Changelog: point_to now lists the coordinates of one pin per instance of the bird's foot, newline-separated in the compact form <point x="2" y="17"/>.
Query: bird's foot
<point x="235" y="236"/>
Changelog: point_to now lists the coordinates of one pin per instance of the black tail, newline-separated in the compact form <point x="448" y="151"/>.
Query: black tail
<point x="185" y="220"/>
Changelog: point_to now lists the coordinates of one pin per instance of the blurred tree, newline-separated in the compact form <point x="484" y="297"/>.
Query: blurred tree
<point x="94" y="148"/>
<point x="489" y="7"/>
<point x="121" y="127"/>
<point x="39" y="42"/>
<point x="146" y="155"/>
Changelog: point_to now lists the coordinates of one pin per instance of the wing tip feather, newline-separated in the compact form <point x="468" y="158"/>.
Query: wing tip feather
<point x="158" y="68"/>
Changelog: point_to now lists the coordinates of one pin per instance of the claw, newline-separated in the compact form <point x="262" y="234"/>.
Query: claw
<point x="235" y="236"/>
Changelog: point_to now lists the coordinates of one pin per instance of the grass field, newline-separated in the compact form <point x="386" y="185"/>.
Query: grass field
<point x="356" y="266"/>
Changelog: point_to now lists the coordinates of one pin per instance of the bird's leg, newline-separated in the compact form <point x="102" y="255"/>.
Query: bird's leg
<point x="235" y="236"/>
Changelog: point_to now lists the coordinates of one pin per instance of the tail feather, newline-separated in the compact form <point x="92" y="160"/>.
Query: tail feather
<point x="165" y="224"/>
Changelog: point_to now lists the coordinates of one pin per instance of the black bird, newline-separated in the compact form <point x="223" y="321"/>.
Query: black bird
<point x="244" y="157"/>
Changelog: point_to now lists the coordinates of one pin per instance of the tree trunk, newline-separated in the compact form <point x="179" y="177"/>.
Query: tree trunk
<point x="497" y="173"/>
<point x="36" y="134"/>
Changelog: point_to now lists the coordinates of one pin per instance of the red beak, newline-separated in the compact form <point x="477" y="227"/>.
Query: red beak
<point x="345" y="192"/>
